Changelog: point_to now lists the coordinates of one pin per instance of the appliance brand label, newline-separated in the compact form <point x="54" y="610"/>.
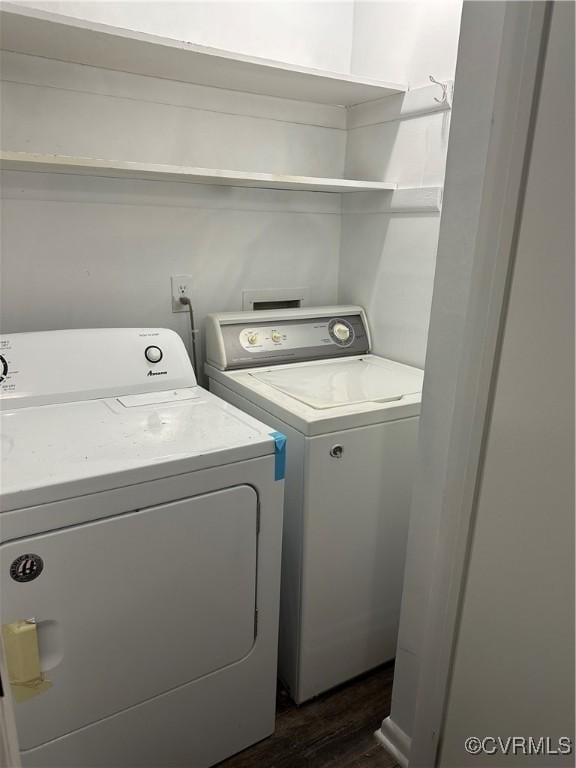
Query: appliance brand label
<point x="26" y="568"/>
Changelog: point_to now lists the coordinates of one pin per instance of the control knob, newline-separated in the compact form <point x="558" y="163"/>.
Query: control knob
<point x="341" y="331"/>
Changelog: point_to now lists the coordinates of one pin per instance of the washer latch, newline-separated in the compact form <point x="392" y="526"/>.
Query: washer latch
<point x="336" y="451"/>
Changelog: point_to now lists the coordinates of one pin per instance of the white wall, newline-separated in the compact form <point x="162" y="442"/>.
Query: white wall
<point x="88" y="252"/>
<point x="314" y="33"/>
<point x="396" y="40"/>
<point x="80" y="251"/>
<point x="405" y="41"/>
<point x="513" y="670"/>
<point x="53" y="107"/>
<point x="401" y="139"/>
<point x="388" y="259"/>
<point x="387" y="266"/>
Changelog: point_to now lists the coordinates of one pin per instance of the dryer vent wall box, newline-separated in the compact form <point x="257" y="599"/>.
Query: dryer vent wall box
<point x="270" y="299"/>
<point x="351" y="419"/>
<point x="141" y="530"/>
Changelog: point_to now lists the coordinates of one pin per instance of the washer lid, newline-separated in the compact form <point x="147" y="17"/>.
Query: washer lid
<point x="333" y="384"/>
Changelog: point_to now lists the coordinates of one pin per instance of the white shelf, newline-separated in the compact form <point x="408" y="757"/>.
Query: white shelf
<point x="25" y="161"/>
<point x="54" y="36"/>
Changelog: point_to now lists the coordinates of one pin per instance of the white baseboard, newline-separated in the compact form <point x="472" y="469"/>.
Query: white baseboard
<point x="395" y="741"/>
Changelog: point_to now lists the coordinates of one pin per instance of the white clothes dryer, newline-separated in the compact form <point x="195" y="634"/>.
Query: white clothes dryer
<point x="140" y="540"/>
<point x="351" y="419"/>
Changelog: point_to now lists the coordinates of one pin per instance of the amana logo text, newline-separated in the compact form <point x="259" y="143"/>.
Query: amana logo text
<point x="157" y="373"/>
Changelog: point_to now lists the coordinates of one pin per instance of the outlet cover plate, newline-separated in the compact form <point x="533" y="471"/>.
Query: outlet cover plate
<point x="181" y="286"/>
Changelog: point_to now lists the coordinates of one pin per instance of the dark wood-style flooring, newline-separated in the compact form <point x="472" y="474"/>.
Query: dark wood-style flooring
<point x="336" y="730"/>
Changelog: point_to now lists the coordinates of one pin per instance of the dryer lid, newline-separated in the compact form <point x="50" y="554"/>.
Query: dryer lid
<point x="348" y="382"/>
<point x="54" y="452"/>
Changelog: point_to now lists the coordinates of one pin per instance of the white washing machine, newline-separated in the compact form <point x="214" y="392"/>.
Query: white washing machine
<point x="351" y="419"/>
<point x="140" y="554"/>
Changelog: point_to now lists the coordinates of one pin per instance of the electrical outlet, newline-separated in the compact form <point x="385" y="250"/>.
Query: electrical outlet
<point x="181" y="286"/>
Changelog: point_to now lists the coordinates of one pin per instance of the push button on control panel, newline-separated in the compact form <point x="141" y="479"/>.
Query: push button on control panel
<point x="153" y="354"/>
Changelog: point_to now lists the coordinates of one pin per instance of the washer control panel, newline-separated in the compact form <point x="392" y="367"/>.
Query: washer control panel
<point x="337" y="331"/>
<point x="262" y="338"/>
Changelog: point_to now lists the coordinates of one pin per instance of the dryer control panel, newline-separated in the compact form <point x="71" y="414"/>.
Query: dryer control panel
<point x="250" y="339"/>
<point x="48" y="367"/>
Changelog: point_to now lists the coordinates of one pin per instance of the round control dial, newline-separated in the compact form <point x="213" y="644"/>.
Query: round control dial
<point x="341" y="332"/>
<point x="3" y="368"/>
<point x="276" y="337"/>
<point x="252" y="338"/>
<point x="153" y="354"/>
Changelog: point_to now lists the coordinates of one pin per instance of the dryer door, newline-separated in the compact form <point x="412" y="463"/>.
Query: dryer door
<point x="132" y="606"/>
